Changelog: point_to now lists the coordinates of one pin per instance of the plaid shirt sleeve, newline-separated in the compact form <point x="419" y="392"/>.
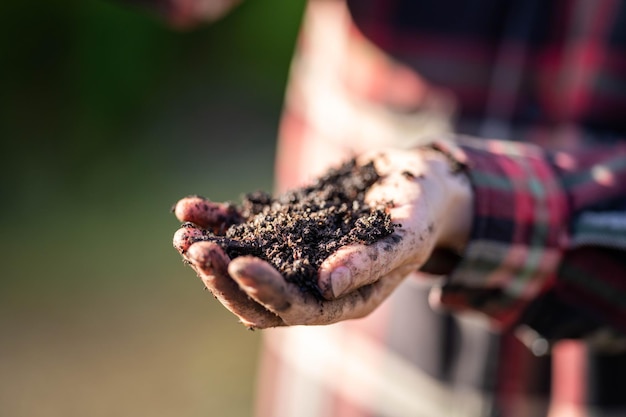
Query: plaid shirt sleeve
<point x="548" y="239"/>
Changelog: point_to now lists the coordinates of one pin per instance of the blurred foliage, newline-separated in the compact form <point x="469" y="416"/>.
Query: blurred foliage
<point x="80" y="78"/>
<point x="107" y="117"/>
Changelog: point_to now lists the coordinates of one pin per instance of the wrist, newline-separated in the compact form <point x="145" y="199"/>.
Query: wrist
<point x="455" y="212"/>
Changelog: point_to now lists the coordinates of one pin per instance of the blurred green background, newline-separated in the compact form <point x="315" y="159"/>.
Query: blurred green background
<point x="107" y="117"/>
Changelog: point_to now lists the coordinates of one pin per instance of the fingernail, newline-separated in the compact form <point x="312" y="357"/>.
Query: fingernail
<point x="183" y="238"/>
<point x="340" y="280"/>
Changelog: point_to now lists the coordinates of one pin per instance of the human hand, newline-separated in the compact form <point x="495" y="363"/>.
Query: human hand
<point x="430" y="204"/>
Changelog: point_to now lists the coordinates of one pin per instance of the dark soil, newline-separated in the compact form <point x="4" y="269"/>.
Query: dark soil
<point x="296" y="231"/>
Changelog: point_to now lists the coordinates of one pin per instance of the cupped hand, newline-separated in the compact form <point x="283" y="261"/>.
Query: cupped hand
<point x="429" y="203"/>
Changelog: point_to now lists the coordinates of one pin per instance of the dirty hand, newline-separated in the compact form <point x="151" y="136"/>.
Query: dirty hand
<point x="430" y="204"/>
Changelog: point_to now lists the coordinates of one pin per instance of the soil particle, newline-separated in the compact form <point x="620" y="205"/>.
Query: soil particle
<point x="298" y="230"/>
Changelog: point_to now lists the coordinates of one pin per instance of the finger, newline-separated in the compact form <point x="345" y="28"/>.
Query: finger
<point x="206" y="214"/>
<point x="263" y="283"/>
<point x="354" y="266"/>
<point x="355" y="304"/>
<point x="211" y="264"/>
<point x="185" y="236"/>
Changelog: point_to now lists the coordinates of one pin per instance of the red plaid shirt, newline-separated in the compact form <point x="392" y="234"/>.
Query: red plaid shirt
<point x="545" y="269"/>
<point x="546" y="263"/>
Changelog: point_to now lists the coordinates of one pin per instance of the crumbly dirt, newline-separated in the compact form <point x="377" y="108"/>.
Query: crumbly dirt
<point x="298" y="230"/>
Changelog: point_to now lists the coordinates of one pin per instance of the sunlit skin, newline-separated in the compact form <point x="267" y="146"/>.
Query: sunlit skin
<point x="431" y="205"/>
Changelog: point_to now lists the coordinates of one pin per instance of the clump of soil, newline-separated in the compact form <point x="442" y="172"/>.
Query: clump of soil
<point x="296" y="231"/>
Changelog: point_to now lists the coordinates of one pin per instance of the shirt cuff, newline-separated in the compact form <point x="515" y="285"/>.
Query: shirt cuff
<point x="519" y="229"/>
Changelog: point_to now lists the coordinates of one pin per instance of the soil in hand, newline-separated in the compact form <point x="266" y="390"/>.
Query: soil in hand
<point x="298" y="230"/>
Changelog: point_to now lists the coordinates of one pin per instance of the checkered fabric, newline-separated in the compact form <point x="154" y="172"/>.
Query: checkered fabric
<point x="545" y="265"/>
